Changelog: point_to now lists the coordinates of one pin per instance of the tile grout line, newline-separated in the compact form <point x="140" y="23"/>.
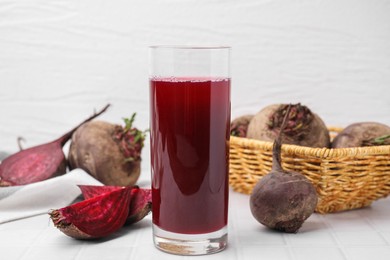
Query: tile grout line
<point x="77" y="255"/>
<point x="138" y="237"/>
<point x="32" y="245"/>
<point x="288" y="246"/>
<point x="235" y="231"/>
<point x="334" y="236"/>
<point x="373" y="227"/>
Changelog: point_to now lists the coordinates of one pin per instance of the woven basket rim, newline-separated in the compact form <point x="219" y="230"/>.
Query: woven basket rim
<point x="313" y="152"/>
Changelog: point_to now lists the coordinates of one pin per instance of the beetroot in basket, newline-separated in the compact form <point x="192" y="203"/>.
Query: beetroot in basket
<point x="345" y="178"/>
<point x="363" y="134"/>
<point x="303" y="127"/>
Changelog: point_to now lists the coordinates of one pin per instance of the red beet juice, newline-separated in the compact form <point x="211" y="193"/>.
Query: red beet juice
<point x="190" y="127"/>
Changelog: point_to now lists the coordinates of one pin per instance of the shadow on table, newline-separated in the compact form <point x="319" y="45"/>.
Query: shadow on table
<point x="310" y="225"/>
<point x="124" y="231"/>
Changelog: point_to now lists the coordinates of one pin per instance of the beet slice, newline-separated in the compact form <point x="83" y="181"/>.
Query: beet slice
<point x="91" y="191"/>
<point x="38" y="163"/>
<point x="140" y="205"/>
<point x="96" y="217"/>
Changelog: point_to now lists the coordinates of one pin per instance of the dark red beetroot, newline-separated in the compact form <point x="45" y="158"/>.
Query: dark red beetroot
<point x="282" y="200"/>
<point x="95" y="217"/>
<point x="140" y="205"/>
<point x="37" y="163"/>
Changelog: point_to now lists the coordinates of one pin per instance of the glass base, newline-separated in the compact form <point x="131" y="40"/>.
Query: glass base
<point x="183" y="244"/>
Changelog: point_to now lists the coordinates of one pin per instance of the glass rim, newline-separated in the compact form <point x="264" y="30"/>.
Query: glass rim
<point x="189" y="47"/>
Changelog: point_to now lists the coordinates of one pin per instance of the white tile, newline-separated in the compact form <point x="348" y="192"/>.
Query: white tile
<point x="317" y="253"/>
<point x="11" y="252"/>
<point x="58" y="252"/>
<point x="53" y="236"/>
<point x="144" y="234"/>
<point x="313" y="238"/>
<point x="258" y="235"/>
<point x="365" y="252"/>
<point x="347" y="221"/>
<point x="386" y="236"/>
<point x="263" y="253"/>
<point x="359" y="238"/>
<point x="19" y="237"/>
<point x="151" y="253"/>
<point x="96" y="252"/>
<point x="36" y="222"/>
<point x="380" y="223"/>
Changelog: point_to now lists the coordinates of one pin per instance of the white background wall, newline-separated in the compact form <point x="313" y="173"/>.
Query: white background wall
<point x="61" y="59"/>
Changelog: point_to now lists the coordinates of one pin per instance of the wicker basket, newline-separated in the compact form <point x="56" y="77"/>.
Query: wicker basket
<point x="345" y="178"/>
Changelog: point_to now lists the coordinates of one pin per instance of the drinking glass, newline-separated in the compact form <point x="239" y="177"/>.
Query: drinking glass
<point x="189" y="141"/>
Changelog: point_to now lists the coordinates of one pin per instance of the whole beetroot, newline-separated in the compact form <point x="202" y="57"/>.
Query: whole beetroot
<point x="239" y="126"/>
<point x="109" y="152"/>
<point x="303" y="127"/>
<point x="282" y="200"/>
<point x="362" y="134"/>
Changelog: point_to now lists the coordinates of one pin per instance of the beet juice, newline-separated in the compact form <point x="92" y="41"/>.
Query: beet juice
<point x="190" y="127"/>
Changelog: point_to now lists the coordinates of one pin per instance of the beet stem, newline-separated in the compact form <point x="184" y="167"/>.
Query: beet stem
<point x="63" y="139"/>
<point x="277" y="146"/>
<point x="19" y="141"/>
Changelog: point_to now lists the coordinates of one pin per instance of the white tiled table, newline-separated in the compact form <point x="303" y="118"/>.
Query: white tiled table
<point x="357" y="234"/>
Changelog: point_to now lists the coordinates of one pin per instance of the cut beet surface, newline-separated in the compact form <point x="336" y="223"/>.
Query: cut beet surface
<point x="95" y="217"/>
<point x="140" y="205"/>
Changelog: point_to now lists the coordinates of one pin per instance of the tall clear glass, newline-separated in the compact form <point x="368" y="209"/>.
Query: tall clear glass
<point x="189" y="140"/>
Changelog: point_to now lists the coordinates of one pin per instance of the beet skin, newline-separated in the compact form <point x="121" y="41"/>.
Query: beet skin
<point x="110" y="153"/>
<point x="283" y="201"/>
